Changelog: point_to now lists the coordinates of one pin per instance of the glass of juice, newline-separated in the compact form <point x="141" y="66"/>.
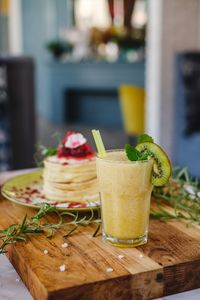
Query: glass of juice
<point x="125" y="191"/>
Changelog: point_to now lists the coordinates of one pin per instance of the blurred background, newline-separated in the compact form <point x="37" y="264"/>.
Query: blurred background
<point x="122" y="66"/>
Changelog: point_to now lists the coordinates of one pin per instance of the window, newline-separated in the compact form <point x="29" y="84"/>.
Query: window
<point x="104" y="13"/>
<point x="92" y="13"/>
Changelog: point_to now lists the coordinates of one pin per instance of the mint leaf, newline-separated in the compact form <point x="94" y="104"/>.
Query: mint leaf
<point x="144" y="138"/>
<point x="49" y="151"/>
<point x="133" y="154"/>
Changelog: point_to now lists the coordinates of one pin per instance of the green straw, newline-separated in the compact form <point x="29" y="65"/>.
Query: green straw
<point x="99" y="143"/>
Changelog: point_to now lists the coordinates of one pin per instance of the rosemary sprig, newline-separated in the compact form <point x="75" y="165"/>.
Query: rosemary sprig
<point x="182" y="193"/>
<point x="40" y="224"/>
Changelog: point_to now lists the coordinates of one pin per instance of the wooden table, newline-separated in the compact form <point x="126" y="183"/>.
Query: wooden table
<point x="170" y="264"/>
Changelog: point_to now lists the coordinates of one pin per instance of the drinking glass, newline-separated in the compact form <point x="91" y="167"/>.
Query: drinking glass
<point x="125" y="192"/>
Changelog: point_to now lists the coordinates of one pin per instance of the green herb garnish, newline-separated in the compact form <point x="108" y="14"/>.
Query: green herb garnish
<point x="43" y="152"/>
<point x="40" y="224"/>
<point x="134" y="155"/>
<point x="143" y="138"/>
<point x="48" y="151"/>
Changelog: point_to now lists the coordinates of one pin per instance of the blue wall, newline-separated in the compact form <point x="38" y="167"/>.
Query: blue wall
<point x="40" y="24"/>
<point x="42" y="21"/>
<point x="92" y="76"/>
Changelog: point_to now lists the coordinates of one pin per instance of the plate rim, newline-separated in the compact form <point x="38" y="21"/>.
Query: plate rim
<point x="10" y="198"/>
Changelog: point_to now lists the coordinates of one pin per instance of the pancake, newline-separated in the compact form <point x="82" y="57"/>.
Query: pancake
<point x="72" y="186"/>
<point x="70" y="178"/>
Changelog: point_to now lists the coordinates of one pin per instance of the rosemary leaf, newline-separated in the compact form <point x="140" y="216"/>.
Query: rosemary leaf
<point x="96" y="231"/>
<point x="71" y="231"/>
<point x="182" y="193"/>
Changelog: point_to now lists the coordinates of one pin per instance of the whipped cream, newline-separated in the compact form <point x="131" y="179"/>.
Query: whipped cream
<point x="75" y="140"/>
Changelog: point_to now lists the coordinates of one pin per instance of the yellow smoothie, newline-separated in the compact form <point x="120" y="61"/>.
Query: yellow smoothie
<point x="125" y="188"/>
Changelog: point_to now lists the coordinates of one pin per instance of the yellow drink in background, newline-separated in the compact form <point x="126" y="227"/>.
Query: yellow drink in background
<point x="125" y="188"/>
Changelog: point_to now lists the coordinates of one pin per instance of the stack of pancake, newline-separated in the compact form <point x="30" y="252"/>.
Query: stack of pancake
<point x="70" y="181"/>
<point x="70" y="178"/>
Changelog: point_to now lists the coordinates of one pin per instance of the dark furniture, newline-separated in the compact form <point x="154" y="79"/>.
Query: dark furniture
<point x="17" y="107"/>
<point x="187" y="110"/>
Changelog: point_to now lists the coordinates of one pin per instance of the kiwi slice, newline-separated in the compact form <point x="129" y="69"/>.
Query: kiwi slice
<point x="161" y="167"/>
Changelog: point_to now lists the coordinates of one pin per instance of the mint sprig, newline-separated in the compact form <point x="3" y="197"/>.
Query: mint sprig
<point x="143" y="138"/>
<point x="133" y="154"/>
<point x="48" y="151"/>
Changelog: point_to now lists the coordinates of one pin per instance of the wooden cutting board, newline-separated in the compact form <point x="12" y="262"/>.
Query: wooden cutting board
<point x="169" y="263"/>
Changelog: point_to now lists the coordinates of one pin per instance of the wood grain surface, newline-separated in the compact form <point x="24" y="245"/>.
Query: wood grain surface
<point x="169" y="263"/>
